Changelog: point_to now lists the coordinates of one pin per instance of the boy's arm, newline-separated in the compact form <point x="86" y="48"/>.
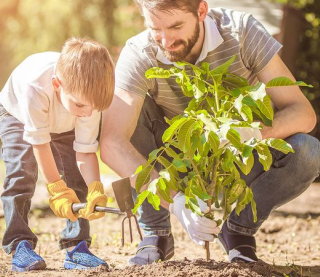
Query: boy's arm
<point x="46" y="162"/>
<point x="62" y="197"/>
<point x="89" y="166"/>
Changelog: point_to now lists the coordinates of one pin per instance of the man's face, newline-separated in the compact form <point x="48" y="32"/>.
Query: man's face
<point x="176" y="32"/>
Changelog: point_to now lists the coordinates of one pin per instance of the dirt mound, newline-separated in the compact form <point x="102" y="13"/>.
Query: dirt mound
<point x="193" y="268"/>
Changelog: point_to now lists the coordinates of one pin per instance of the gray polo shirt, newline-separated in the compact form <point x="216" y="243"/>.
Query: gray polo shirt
<point x="227" y="33"/>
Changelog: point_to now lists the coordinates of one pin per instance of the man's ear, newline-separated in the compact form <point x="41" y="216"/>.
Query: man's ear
<point x="202" y="11"/>
<point x="55" y="82"/>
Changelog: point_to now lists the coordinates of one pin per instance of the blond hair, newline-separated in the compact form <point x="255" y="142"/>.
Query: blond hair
<point x="86" y="70"/>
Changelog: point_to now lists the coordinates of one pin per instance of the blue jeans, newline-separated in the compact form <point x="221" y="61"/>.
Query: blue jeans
<point x="21" y="178"/>
<point x="288" y="177"/>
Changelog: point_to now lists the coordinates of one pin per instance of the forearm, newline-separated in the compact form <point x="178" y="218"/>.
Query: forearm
<point x="124" y="159"/>
<point x="89" y="166"/>
<point x="290" y="120"/>
<point x="46" y="162"/>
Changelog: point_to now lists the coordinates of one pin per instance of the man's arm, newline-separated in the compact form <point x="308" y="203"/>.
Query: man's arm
<point x="295" y="113"/>
<point x="118" y="125"/>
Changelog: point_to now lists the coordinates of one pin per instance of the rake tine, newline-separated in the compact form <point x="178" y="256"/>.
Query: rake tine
<point x="122" y="239"/>
<point x="130" y="228"/>
<point x="138" y="227"/>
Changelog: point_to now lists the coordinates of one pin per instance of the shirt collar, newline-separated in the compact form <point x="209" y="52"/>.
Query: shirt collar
<point x="209" y="44"/>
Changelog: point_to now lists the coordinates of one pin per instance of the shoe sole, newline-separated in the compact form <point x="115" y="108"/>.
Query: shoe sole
<point x="71" y="265"/>
<point x="168" y="257"/>
<point x="37" y="266"/>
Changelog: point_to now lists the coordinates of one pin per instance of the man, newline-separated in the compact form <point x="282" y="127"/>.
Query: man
<point x="185" y="30"/>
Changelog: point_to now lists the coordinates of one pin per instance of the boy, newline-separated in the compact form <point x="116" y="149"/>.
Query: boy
<point x="50" y="111"/>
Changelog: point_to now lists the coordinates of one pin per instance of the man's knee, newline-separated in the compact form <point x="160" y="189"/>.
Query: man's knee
<point x="307" y="151"/>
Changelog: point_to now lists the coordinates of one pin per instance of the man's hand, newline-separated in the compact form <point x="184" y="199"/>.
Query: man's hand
<point x="200" y="229"/>
<point x="62" y="199"/>
<point x="246" y="133"/>
<point x="95" y="197"/>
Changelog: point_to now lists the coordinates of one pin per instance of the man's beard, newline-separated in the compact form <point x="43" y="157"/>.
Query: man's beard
<point x="180" y="55"/>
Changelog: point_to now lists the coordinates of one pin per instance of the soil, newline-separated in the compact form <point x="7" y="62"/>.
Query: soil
<point x="287" y="246"/>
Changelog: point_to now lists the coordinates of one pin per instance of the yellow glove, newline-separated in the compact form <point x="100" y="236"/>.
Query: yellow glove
<point x="61" y="200"/>
<point x="95" y="197"/>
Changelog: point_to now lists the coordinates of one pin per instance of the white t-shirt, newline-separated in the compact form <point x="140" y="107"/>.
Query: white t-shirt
<point x="28" y="95"/>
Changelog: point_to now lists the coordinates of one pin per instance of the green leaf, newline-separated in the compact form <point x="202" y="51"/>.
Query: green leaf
<point x="154" y="200"/>
<point x="139" y="169"/>
<point x="235" y="139"/>
<point x="179" y="165"/>
<point x="235" y="80"/>
<point x="165" y="174"/>
<point x="247" y="166"/>
<point x="236" y="190"/>
<point x="265" y="157"/>
<point x="214" y="141"/>
<point x="247" y="100"/>
<point x="198" y="71"/>
<point x="157" y="72"/>
<point x="280" y="145"/>
<point x="193" y="206"/>
<point x="153" y="154"/>
<point x="246" y="114"/>
<point x="265" y="107"/>
<point x="227" y="161"/>
<point x="140" y="198"/>
<point x="170" y="132"/>
<point x="171" y="153"/>
<point x="244" y="199"/>
<point x="152" y="187"/>
<point x="220" y="70"/>
<point x="254" y="209"/>
<point x="171" y="169"/>
<point x="143" y="177"/>
<point x="184" y="135"/>
<point x="284" y="81"/>
<point x="196" y="190"/>
<point x="258" y="92"/>
<point x="165" y="195"/>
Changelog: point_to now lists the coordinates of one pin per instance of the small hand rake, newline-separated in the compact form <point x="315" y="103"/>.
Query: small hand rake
<point x="123" y="194"/>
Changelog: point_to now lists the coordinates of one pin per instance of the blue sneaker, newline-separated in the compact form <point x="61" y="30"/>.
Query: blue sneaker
<point x="81" y="258"/>
<point x="26" y="259"/>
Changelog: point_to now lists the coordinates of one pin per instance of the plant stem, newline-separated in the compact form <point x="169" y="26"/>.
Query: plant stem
<point x="198" y="174"/>
<point x="209" y="202"/>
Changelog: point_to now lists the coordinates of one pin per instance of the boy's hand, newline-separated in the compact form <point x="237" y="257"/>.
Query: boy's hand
<point x="95" y="197"/>
<point x="62" y="199"/>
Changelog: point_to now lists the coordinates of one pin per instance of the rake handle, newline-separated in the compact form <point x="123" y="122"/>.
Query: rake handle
<point x="78" y="206"/>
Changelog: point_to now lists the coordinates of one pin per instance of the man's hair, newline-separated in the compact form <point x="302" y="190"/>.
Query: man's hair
<point x="85" y="69"/>
<point x="167" y="5"/>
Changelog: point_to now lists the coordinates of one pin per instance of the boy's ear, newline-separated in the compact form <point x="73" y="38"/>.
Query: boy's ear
<point x="202" y="11"/>
<point x="55" y="82"/>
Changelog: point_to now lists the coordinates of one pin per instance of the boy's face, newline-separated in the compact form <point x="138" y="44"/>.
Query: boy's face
<point x="73" y="104"/>
<point x="176" y="32"/>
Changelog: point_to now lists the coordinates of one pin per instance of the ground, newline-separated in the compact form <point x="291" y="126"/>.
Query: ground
<point x="288" y="245"/>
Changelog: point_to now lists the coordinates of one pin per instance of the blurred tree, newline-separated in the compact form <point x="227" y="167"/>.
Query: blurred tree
<point x="300" y="36"/>
<point x="32" y="26"/>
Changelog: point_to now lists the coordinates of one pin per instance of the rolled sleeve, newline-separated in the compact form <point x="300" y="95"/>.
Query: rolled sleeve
<point x="86" y="133"/>
<point x="36" y="136"/>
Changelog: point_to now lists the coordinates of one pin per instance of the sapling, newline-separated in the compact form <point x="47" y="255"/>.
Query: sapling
<point x="206" y="147"/>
